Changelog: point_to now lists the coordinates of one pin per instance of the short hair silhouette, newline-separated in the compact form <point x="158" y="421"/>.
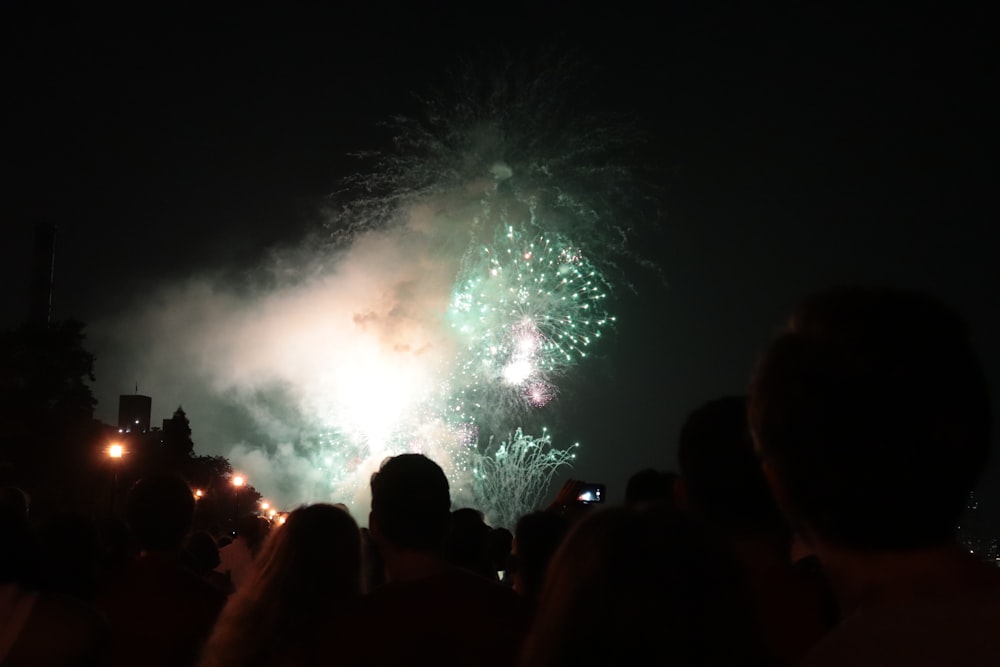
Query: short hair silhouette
<point x="203" y="550"/>
<point x="14" y="501"/>
<point x="465" y="545"/>
<point x="411" y="502"/>
<point x="253" y="530"/>
<point x="650" y="486"/>
<point x="722" y="475"/>
<point x="873" y="410"/>
<point x="160" y="511"/>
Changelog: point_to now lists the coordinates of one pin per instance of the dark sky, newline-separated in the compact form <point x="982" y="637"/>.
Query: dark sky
<point x="799" y="148"/>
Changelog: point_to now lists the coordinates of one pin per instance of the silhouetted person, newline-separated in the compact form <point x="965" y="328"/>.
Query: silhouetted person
<point x="71" y="554"/>
<point x="650" y="486"/>
<point x="40" y="628"/>
<point x="428" y="612"/>
<point x="374" y="566"/>
<point x="872" y="415"/>
<point x="119" y="546"/>
<point x="160" y="611"/>
<point x="14" y="502"/>
<point x="722" y="481"/>
<point x="201" y="555"/>
<point x="643" y="587"/>
<point x="537" y="536"/>
<point x="307" y="571"/>
<point x="236" y="558"/>
<point x="465" y="545"/>
<point x="499" y="543"/>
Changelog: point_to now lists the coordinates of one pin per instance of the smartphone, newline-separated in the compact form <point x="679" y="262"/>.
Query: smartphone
<point x="591" y="493"/>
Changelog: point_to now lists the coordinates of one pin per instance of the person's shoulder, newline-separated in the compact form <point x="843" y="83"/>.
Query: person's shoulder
<point x="450" y="588"/>
<point x="465" y="580"/>
<point x="958" y="632"/>
<point x="81" y="628"/>
<point x="475" y="591"/>
<point x="166" y="574"/>
<point x="68" y="607"/>
<point x="197" y="587"/>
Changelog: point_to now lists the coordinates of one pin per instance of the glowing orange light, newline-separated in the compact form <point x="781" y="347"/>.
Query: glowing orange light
<point x="116" y="451"/>
<point x="238" y="481"/>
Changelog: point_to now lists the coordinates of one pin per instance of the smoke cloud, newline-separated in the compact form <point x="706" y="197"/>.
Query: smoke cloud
<point x="351" y="341"/>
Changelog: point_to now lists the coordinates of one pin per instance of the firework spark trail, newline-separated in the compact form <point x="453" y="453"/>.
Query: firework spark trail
<point x="511" y="478"/>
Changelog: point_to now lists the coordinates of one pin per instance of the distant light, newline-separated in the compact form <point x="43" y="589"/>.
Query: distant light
<point x="116" y="451"/>
<point x="264" y="504"/>
<point x="198" y="493"/>
<point x="238" y="481"/>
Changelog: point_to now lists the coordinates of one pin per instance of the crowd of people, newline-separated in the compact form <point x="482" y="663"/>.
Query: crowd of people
<point x="809" y="522"/>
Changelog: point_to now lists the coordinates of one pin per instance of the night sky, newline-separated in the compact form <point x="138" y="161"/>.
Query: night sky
<point x="794" y="149"/>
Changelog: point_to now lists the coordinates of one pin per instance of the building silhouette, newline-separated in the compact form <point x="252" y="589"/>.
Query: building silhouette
<point x="134" y="412"/>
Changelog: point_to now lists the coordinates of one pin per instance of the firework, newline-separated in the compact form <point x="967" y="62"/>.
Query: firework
<point x="510" y="479"/>
<point x="527" y="309"/>
<point x="538" y="394"/>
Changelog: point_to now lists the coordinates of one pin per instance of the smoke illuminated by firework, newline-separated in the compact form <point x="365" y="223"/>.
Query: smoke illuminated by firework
<point x="466" y="277"/>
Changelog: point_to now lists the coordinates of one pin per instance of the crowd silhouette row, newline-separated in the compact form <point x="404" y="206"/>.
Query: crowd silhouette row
<point x="809" y="522"/>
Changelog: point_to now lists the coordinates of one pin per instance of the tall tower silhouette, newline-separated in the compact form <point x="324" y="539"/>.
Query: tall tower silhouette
<point x="43" y="265"/>
<point x="134" y="412"/>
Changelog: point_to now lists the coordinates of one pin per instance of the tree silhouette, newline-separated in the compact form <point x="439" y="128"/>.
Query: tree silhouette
<point x="45" y="373"/>
<point x="52" y="447"/>
<point x="177" y="444"/>
<point x="46" y="407"/>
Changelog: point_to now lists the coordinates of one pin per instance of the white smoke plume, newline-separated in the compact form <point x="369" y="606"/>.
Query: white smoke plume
<point x="351" y="341"/>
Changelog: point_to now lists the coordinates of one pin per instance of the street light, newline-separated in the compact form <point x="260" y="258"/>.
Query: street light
<point x="264" y="505"/>
<point x="115" y="453"/>
<point x="237" y="481"/>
